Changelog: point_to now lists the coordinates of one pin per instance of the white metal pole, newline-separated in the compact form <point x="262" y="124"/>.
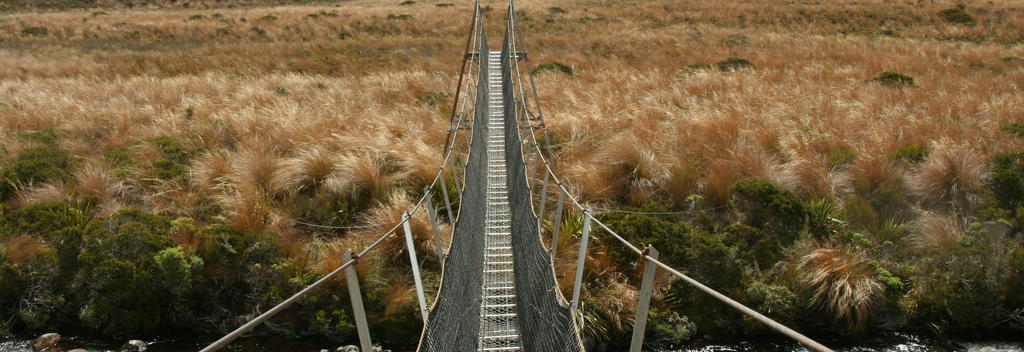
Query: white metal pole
<point x="357" y="303"/>
<point x="415" y="266"/>
<point x="444" y="192"/>
<point x="583" y="258"/>
<point x="557" y="225"/>
<point x="433" y="226"/>
<point x="644" y="304"/>
<point x="543" y="201"/>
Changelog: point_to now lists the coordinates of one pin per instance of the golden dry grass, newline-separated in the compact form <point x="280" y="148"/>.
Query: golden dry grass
<point x="280" y="101"/>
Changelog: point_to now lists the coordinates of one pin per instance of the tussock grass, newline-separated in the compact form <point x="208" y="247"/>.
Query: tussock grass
<point x="841" y="281"/>
<point x="347" y="109"/>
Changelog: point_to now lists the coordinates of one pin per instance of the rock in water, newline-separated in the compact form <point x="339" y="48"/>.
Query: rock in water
<point x="46" y="342"/>
<point x="78" y="350"/>
<point x="134" y="346"/>
<point x="349" y="348"/>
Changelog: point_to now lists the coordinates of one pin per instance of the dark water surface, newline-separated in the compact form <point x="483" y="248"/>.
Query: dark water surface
<point x="885" y="343"/>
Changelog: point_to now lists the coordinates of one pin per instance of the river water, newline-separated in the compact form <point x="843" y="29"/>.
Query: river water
<point x="884" y="343"/>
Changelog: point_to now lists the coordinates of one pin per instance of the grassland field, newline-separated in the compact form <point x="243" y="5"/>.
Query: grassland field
<point x="849" y="166"/>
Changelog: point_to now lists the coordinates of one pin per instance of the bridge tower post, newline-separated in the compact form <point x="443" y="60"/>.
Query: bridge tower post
<point x="582" y="259"/>
<point x="642" y="307"/>
<point x="411" y="248"/>
<point x="357" y="303"/>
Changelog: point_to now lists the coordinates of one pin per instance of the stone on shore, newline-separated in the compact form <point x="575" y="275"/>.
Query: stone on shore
<point x="45" y="342"/>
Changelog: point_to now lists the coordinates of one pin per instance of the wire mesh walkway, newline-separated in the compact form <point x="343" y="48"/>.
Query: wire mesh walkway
<point x="499" y="328"/>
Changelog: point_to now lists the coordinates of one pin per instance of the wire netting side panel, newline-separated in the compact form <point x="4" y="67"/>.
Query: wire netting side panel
<point x="544" y="320"/>
<point x="454" y="321"/>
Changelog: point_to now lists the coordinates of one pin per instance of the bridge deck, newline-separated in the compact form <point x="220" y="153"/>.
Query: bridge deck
<point x="499" y="328"/>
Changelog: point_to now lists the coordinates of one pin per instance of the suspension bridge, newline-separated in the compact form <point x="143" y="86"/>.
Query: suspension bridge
<point x="498" y="289"/>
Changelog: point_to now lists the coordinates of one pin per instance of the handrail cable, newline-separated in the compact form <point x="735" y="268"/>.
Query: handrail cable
<point x="719" y="296"/>
<point x="451" y="138"/>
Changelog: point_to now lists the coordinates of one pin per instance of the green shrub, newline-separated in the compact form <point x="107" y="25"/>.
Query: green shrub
<point x="1008" y="179"/>
<point x="196" y="17"/>
<point x="407" y="3"/>
<point x="445" y="5"/>
<point x="120" y="285"/>
<point x="401" y="17"/>
<point x="344" y="35"/>
<point x="734" y="64"/>
<point x="766" y="206"/>
<point x="31" y="166"/>
<point x="962" y="294"/>
<point x="641" y="230"/>
<point x="755" y="246"/>
<point x="47" y="136"/>
<point x="34" y="31"/>
<point x="172" y="148"/>
<point x="1015" y="129"/>
<point x="44" y="220"/>
<point x="169" y="170"/>
<point x="708" y="258"/>
<point x="894" y="79"/>
<point x="956" y="15"/>
<point x="668" y="328"/>
<point x="913" y="153"/>
<point x="268" y="18"/>
<point x="120" y="157"/>
<point x="176" y="154"/>
<point x="840" y="157"/>
<point x="433" y="99"/>
<point x="554" y="66"/>
<point x="700" y="66"/>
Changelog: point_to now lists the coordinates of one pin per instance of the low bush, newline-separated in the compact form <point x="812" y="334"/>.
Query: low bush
<point x="840" y="157"/>
<point x="554" y="66"/>
<point x="44" y="220"/>
<point x="767" y="206"/>
<point x="34" y="31"/>
<point x="734" y="64"/>
<point x="407" y="3"/>
<point x="894" y="79"/>
<point x="1015" y="129"/>
<point x="912" y="154"/>
<point x="32" y="166"/>
<point x="1008" y="179"/>
<point x="956" y="15"/>
<point x="176" y="153"/>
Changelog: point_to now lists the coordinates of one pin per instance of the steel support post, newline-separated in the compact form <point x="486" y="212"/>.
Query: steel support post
<point x="543" y="202"/>
<point x="642" y="307"/>
<point x="357" y="303"/>
<point x="433" y="226"/>
<point x="444" y="193"/>
<point x="411" y="247"/>
<point x="557" y="225"/>
<point x="579" y="264"/>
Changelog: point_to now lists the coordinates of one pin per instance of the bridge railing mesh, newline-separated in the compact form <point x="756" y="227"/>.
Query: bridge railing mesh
<point x="454" y="320"/>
